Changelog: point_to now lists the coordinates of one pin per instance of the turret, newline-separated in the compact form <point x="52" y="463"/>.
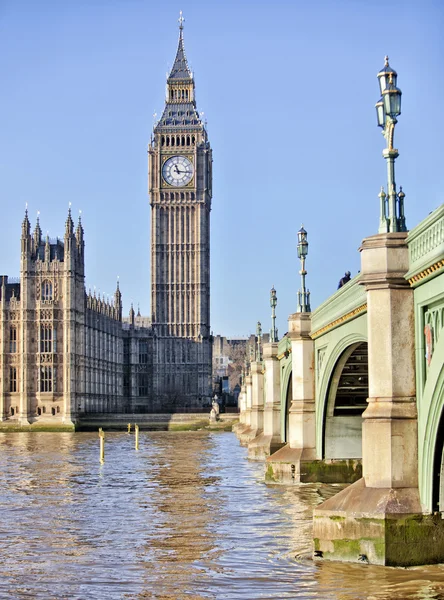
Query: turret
<point x="80" y="246"/>
<point x="79" y="236"/>
<point x="26" y="236"/>
<point x="132" y="315"/>
<point x="37" y="234"/>
<point x="70" y="241"/>
<point x="118" y="301"/>
<point x="47" y="250"/>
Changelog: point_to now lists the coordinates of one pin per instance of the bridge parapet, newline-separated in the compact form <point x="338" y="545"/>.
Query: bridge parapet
<point x="346" y="304"/>
<point x="426" y="248"/>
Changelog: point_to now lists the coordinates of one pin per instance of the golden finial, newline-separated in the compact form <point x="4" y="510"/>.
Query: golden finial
<point x="386" y="59"/>
<point x="181" y="22"/>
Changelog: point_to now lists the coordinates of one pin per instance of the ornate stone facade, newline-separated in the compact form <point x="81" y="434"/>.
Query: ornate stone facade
<point x="66" y="354"/>
<point x="180" y="187"/>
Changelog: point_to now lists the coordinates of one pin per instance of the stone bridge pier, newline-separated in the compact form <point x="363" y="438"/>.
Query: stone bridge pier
<point x="379" y="518"/>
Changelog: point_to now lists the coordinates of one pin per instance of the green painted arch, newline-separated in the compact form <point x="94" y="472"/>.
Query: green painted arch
<point x="433" y="396"/>
<point x="286" y="373"/>
<point x="322" y="388"/>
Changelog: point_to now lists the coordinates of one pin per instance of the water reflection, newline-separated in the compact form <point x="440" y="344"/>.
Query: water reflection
<point x="187" y="516"/>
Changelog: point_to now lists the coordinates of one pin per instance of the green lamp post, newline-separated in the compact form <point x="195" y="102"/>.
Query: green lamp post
<point x="303" y="294"/>
<point x="388" y="108"/>
<point x="273" y="303"/>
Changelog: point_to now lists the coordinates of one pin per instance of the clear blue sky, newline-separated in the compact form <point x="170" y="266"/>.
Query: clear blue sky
<point x="288" y="89"/>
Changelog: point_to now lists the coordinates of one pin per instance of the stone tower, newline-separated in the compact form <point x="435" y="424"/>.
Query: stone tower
<point x="180" y="188"/>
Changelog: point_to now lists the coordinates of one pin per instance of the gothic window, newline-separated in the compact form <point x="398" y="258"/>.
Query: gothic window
<point x="13" y="379"/>
<point x="188" y="140"/>
<point x="186" y="94"/>
<point x="163" y="140"/>
<point x="46" y="379"/>
<point x="168" y="140"/>
<point x="183" y="140"/>
<point x="182" y="196"/>
<point x="193" y="140"/>
<point x="143" y="353"/>
<point x="47" y="338"/>
<point x="192" y="195"/>
<point x="13" y="340"/>
<point x="143" y="384"/>
<point x="172" y="140"/>
<point x="47" y="290"/>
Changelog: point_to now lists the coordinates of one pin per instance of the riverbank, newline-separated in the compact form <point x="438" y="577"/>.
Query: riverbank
<point x="146" y="422"/>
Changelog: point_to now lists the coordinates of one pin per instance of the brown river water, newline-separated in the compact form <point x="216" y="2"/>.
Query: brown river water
<point x="187" y="516"/>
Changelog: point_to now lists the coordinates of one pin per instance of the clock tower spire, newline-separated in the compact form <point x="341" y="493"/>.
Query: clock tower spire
<point x="180" y="189"/>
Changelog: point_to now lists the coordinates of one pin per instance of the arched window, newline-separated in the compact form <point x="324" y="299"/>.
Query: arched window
<point x="45" y="379"/>
<point x="188" y="140"/>
<point x="193" y="140"/>
<point x="13" y="340"/>
<point x="13" y="379"/>
<point x="172" y="141"/>
<point x="47" y="290"/>
<point x="47" y="338"/>
<point x="178" y="140"/>
<point x="168" y="140"/>
<point x="183" y="140"/>
<point x="163" y="140"/>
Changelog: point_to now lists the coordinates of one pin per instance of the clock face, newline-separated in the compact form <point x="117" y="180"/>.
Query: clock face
<point x="178" y="171"/>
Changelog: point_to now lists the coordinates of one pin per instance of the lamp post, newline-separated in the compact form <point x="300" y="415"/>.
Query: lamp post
<point x="388" y="108"/>
<point x="273" y="303"/>
<point x="303" y="294"/>
<point x="258" y="347"/>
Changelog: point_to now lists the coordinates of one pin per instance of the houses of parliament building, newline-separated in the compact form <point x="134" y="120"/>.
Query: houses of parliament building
<point x="65" y="353"/>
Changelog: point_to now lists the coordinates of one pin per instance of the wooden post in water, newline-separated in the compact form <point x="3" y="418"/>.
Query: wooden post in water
<point x="129" y="427"/>
<point x="102" y="445"/>
<point x="136" y="429"/>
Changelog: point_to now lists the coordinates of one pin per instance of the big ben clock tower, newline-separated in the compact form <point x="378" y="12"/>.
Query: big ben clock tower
<point x="180" y="178"/>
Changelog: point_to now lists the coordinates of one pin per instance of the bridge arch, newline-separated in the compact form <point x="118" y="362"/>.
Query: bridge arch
<point x="338" y="374"/>
<point x="286" y="398"/>
<point x="432" y="451"/>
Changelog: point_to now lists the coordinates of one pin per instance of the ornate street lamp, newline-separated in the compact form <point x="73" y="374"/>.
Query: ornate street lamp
<point x="303" y="294"/>
<point x="273" y="303"/>
<point x="388" y="108"/>
<point x="259" y="338"/>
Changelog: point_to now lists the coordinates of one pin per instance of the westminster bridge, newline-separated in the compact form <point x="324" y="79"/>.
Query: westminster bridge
<point x="354" y="393"/>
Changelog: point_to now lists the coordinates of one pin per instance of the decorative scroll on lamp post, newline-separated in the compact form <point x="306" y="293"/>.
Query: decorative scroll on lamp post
<point x="388" y="108"/>
<point x="303" y="294"/>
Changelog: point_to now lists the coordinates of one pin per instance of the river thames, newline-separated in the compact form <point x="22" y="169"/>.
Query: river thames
<point x="185" y="516"/>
